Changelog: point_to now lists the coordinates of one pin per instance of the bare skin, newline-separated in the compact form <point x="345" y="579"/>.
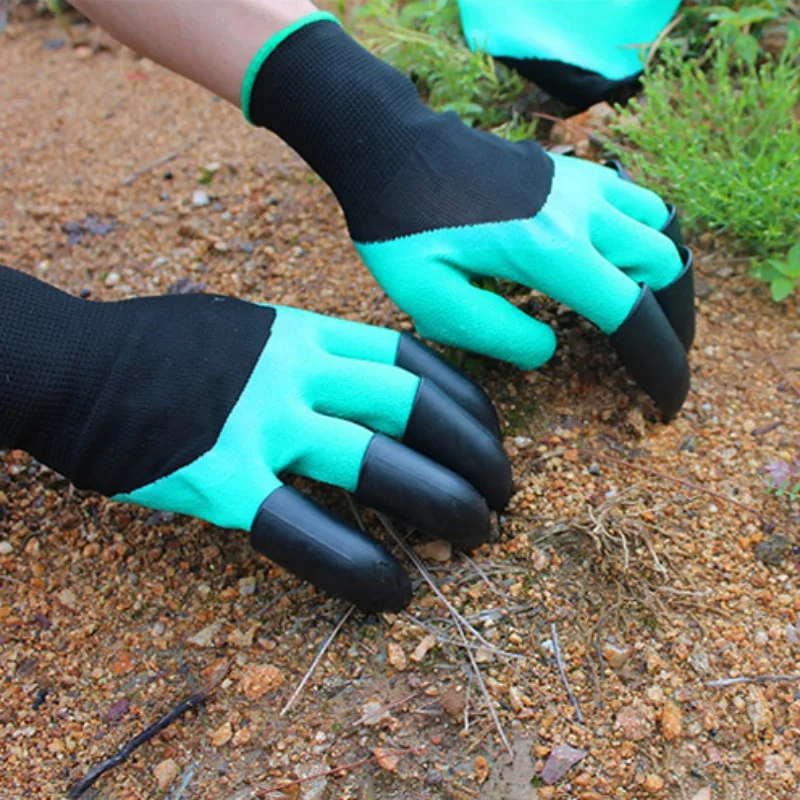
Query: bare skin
<point x="208" y="41"/>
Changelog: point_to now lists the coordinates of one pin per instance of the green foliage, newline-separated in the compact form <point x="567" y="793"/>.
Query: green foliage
<point x="423" y="39"/>
<point x="736" y="23"/>
<point x="721" y="141"/>
<point x="782" y="276"/>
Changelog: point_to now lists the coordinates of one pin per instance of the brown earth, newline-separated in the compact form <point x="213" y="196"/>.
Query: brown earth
<point x="110" y="616"/>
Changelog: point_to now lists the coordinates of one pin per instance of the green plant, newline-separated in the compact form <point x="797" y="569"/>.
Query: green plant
<point x="735" y="26"/>
<point x="722" y="142"/>
<point x="423" y="39"/>
<point x="737" y="23"/>
<point x="782" y="276"/>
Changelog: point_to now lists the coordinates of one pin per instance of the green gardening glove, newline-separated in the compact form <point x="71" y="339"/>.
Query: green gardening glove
<point x="434" y="207"/>
<point x="580" y="51"/>
<point x="201" y="404"/>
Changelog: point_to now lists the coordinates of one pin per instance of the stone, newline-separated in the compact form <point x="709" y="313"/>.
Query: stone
<point x="561" y="760"/>
<point x="515" y="698"/>
<point x="247" y="586"/>
<point x="68" y="599"/>
<point x="758" y="710"/>
<point x="423" y="648"/>
<point x="314" y="789"/>
<point x="259" y="679"/>
<point x="653" y="783"/>
<point x="222" y="735"/>
<point x="165" y="773"/>
<point x="635" y="721"/>
<point x="453" y="701"/>
<point x="481" y="769"/>
<point x="396" y="656"/>
<point x="773" y="549"/>
<point x="386" y="759"/>
<point x="243" y="639"/>
<point x="671" y="721"/>
<point x="438" y="550"/>
<point x="200" y="198"/>
<point x="206" y="636"/>
<point x="6" y="548"/>
<point x="615" y="654"/>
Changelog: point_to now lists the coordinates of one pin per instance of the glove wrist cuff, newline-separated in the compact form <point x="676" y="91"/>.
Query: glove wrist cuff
<point x="268" y="49"/>
<point x="353" y="118"/>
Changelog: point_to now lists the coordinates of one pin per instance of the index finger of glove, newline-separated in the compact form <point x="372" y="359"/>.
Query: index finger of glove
<point x="317" y="546"/>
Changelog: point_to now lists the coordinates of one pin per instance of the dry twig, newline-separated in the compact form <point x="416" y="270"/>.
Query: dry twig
<point x="318" y="657"/>
<point x="430" y="581"/>
<point x="145" y="736"/>
<point x="679" y="481"/>
<point x="756" y="679"/>
<point x="460" y="623"/>
<point x="563" y="672"/>
<point x="158" y="163"/>
<point x="282" y="787"/>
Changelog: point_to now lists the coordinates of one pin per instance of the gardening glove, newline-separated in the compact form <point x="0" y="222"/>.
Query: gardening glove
<point x="199" y="404"/>
<point x="435" y="206"/>
<point x="579" y="51"/>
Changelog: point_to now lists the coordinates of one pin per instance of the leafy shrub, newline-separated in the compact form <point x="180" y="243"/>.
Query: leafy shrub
<point x="782" y="276"/>
<point x="722" y="141"/>
<point x="423" y="39"/>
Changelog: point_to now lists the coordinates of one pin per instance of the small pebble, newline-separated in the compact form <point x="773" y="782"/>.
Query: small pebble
<point x="200" y="198"/>
<point x="165" y="773"/>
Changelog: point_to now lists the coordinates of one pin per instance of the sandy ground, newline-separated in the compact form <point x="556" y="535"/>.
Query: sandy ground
<point x="110" y="616"/>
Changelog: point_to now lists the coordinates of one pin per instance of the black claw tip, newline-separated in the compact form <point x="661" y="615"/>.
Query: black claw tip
<point x="445" y="432"/>
<point x="405" y="484"/>
<point x="296" y="533"/>
<point x="677" y="301"/>
<point x="414" y="356"/>
<point x="654" y="356"/>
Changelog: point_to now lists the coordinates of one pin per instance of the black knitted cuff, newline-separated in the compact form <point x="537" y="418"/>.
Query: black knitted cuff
<point x="353" y="118"/>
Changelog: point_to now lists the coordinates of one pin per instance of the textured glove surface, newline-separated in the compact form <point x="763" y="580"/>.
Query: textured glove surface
<point x="200" y="404"/>
<point x="434" y="205"/>
<point x="580" y="51"/>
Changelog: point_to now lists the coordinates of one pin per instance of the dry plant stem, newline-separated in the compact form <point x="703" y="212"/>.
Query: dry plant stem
<point x="484" y="691"/>
<point x="319" y="656"/>
<point x="756" y="679"/>
<point x="429" y="580"/>
<point x="282" y="787"/>
<point x="651" y="54"/>
<point x="679" y="481"/>
<point x="145" y="736"/>
<point x="460" y="624"/>
<point x="485" y="578"/>
<point x="777" y="367"/>
<point x="563" y="672"/>
<point x="158" y="163"/>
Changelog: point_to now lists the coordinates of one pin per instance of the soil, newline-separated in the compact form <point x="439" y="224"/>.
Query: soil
<point x="655" y="582"/>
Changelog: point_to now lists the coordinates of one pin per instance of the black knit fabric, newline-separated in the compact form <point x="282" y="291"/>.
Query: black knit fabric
<point x="116" y="395"/>
<point x="576" y="86"/>
<point x="396" y="167"/>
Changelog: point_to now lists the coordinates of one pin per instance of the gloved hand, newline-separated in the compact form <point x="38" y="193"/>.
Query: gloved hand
<point x="434" y="205"/>
<point x="579" y="51"/>
<point x="199" y="404"/>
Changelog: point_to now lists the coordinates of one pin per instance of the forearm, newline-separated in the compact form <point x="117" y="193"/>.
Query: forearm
<point x="211" y="42"/>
